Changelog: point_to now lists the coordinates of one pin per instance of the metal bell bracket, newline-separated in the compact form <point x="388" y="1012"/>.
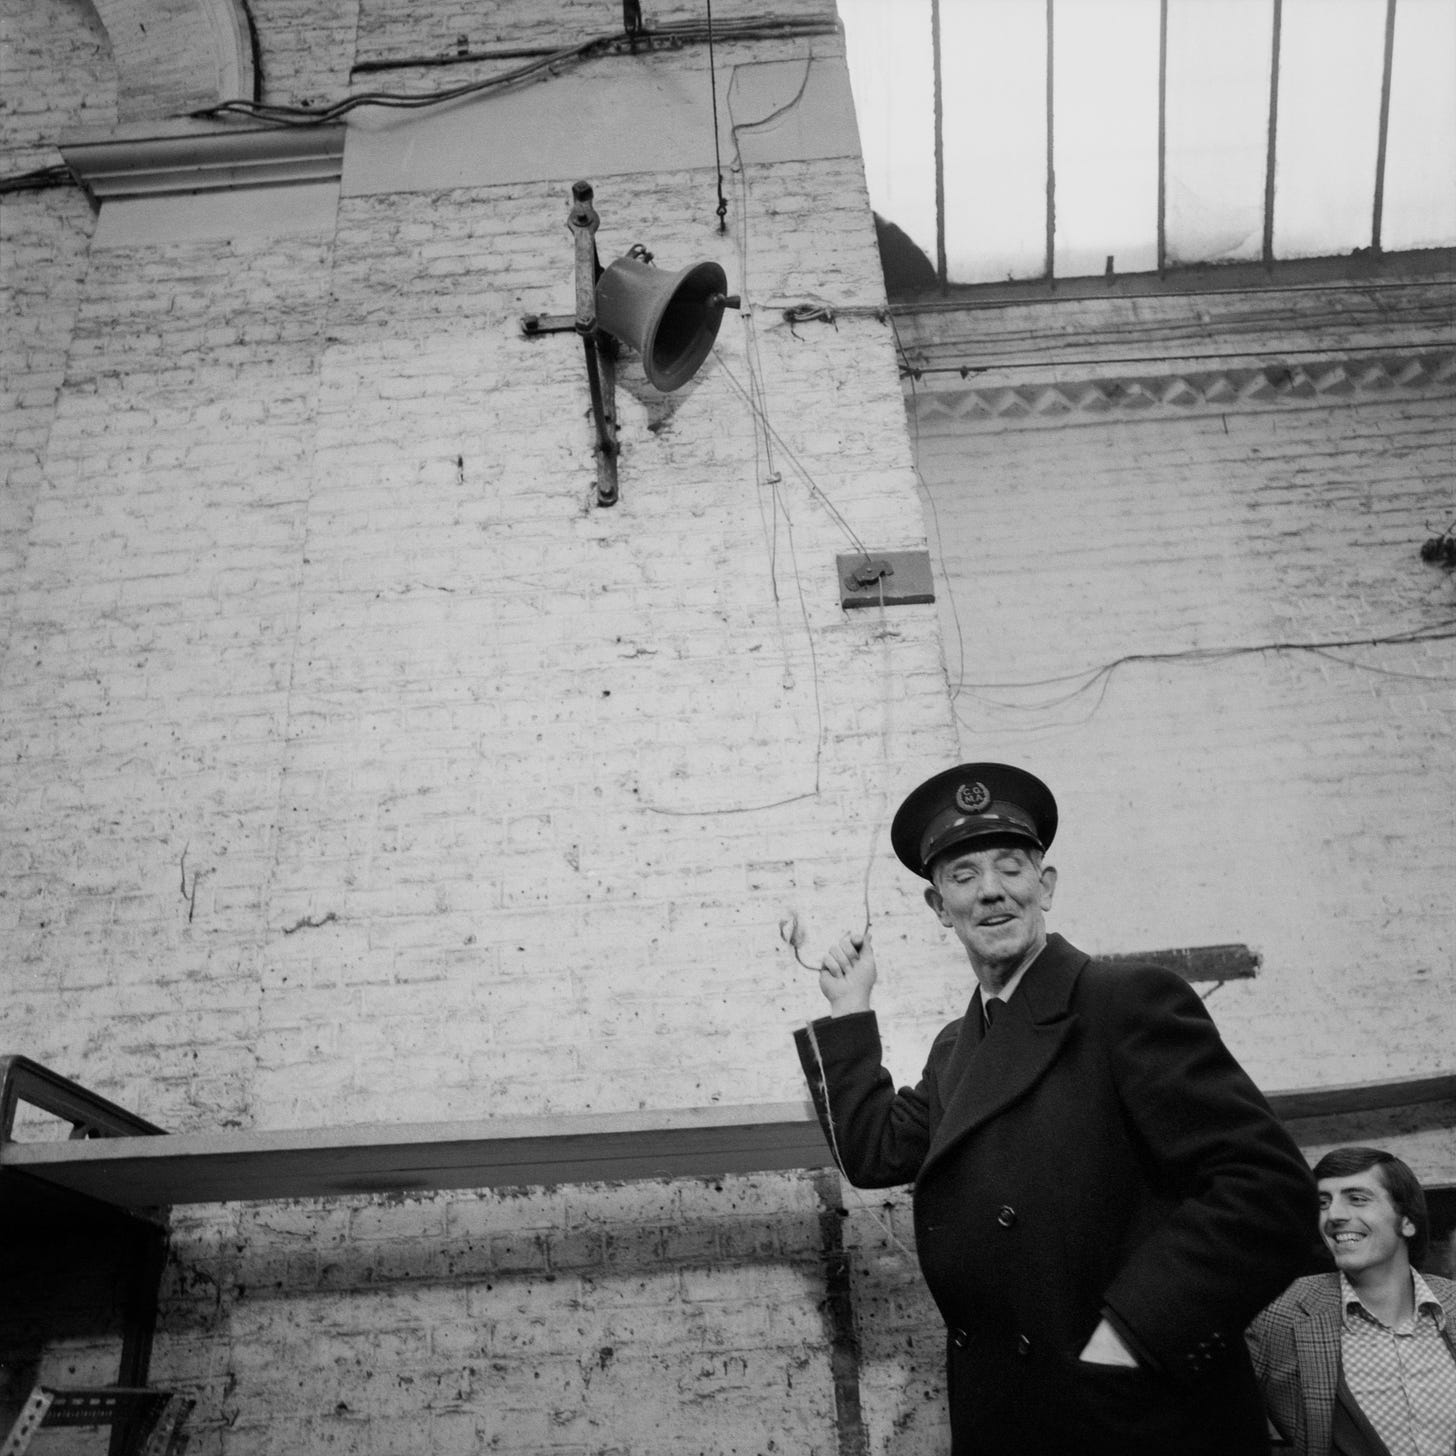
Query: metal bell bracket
<point x="600" y="348"/>
<point x="601" y="351"/>
<point x="670" y="318"/>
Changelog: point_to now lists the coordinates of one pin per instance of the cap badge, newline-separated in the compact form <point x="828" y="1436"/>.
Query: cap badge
<point x="972" y="798"/>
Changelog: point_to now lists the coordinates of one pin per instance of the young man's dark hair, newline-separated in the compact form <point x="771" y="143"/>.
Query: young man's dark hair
<point x="1363" y="1358"/>
<point x="1398" y="1180"/>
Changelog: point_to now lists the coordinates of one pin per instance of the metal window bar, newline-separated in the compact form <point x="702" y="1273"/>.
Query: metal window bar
<point x="1278" y="23"/>
<point x="1378" y="209"/>
<point x="1275" y="57"/>
<point x="1051" y="172"/>
<point x="1162" y="137"/>
<point x="941" y="270"/>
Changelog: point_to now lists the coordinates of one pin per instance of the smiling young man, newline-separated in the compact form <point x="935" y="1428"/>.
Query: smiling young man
<point x="1102" y="1197"/>
<point x="1362" y="1361"/>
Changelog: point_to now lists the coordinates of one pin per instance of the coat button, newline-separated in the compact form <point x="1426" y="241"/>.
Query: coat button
<point x="1006" y="1216"/>
<point x="960" y="1339"/>
<point x="1023" y="1345"/>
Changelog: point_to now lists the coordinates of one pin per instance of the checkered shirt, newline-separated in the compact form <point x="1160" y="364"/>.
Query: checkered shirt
<point x="1405" y="1378"/>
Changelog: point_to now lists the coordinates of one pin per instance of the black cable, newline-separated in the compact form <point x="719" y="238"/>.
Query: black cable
<point x="717" y="153"/>
<point x="308" y="116"/>
<point x="544" y="62"/>
<point x="1100" y="677"/>
<point x="38" y="179"/>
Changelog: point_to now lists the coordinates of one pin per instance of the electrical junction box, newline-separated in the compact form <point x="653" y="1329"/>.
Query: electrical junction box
<point x="890" y="578"/>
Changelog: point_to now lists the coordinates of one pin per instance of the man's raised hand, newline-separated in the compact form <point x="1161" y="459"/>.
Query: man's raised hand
<point x="847" y="974"/>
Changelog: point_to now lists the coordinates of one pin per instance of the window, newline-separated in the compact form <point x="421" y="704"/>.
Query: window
<point x="1024" y="139"/>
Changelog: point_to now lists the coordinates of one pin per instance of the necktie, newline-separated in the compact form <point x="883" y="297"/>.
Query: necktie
<point x="992" y="1007"/>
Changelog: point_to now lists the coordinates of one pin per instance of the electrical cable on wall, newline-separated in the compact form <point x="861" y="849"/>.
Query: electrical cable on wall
<point x="753" y="394"/>
<point x="38" y="179"/>
<point x="541" y="64"/>
<point x="771" y="433"/>
<point x="791" y="928"/>
<point x="545" y="65"/>
<point x="766" y="437"/>
<point x="1100" y="677"/>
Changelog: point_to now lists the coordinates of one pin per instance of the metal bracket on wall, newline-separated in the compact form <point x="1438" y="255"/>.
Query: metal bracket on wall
<point x="600" y="350"/>
<point x="670" y="318"/>
<point x="534" y="324"/>
<point x="889" y="578"/>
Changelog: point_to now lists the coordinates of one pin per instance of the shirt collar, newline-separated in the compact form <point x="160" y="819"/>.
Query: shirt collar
<point x="1425" y="1301"/>
<point x="1349" y="1300"/>
<point x="1005" y="993"/>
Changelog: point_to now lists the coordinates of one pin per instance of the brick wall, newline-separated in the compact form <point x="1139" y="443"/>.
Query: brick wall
<point x="633" y="1318"/>
<point x="56" y="75"/>
<point x="1140" y="601"/>
<point x="358" y="767"/>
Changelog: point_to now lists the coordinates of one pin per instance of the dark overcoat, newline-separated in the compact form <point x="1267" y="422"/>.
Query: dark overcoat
<point x="1097" y="1153"/>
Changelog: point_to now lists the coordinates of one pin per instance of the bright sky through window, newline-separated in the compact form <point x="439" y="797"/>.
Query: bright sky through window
<point x="1145" y="184"/>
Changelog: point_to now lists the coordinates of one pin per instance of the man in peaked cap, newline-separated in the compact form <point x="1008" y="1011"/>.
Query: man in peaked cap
<point x="1102" y="1197"/>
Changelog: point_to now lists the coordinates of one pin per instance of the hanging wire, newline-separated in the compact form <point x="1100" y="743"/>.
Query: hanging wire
<point x="771" y="432"/>
<point x="754" y="395"/>
<point x="717" y="154"/>
<point x="790" y="928"/>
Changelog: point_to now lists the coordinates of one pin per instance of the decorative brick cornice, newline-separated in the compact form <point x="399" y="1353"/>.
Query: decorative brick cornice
<point x="1183" y="391"/>
<point x="163" y="158"/>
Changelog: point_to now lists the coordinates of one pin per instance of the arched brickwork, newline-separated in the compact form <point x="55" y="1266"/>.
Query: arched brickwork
<point x="175" y="56"/>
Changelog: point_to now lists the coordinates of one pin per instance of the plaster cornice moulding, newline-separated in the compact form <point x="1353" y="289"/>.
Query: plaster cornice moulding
<point x="166" y="158"/>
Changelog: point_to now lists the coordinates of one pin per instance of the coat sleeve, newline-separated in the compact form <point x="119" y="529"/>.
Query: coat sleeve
<point x="1241" y="1202"/>
<point x="878" y="1135"/>
<point x="1271" y="1352"/>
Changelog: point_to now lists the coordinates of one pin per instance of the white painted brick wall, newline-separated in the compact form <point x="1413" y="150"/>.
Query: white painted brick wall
<point x="305" y="51"/>
<point x="56" y="77"/>
<point x="358" y="767"/>
<point x="1297" y="801"/>
<point x="625" y="1319"/>
<point x="361" y="768"/>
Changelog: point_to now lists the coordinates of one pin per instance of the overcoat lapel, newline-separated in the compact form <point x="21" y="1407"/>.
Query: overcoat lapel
<point x="1317" y="1353"/>
<point x="985" y="1075"/>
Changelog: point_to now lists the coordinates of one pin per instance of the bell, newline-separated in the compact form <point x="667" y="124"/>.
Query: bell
<point x="670" y="319"/>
